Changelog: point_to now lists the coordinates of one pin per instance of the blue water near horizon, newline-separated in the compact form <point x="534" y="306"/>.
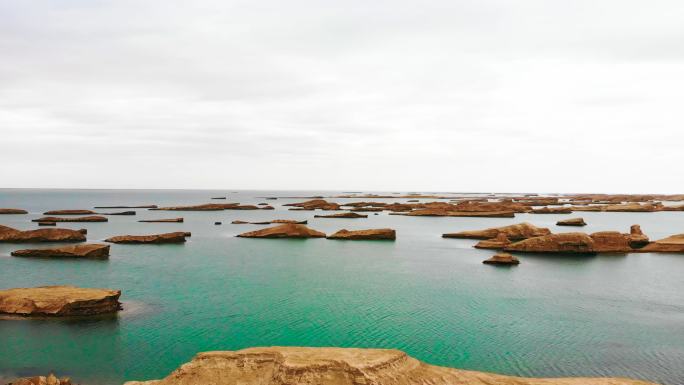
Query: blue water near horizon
<point x="618" y="315"/>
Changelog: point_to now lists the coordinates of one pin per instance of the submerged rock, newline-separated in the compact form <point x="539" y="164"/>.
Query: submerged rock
<point x="58" y="301"/>
<point x="502" y="259"/>
<point x="572" y="222"/>
<point x="284" y="231"/>
<point x="342" y="215"/>
<point x="340" y="366"/>
<point x="175" y="237"/>
<point x="8" y="234"/>
<point x="513" y="232"/>
<point x="77" y="251"/>
<point x="169" y="220"/>
<point x="91" y="218"/>
<point x="13" y="211"/>
<point x="370" y="234"/>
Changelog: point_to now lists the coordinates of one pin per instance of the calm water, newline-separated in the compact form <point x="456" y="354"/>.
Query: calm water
<point x="429" y="296"/>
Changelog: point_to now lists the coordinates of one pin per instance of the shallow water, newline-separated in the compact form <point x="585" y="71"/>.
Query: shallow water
<point x="429" y="296"/>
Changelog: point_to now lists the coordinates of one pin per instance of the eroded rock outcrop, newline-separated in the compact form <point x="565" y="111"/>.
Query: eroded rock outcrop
<point x="315" y="204"/>
<point x="637" y="239"/>
<point x="498" y="243"/>
<point x="446" y="213"/>
<point x="564" y="243"/>
<point x="69" y="212"/>
<point x="552" y="210"/>
<point x="203" y="207"/>
<point x="13" y="211"/>
<point x="284" y="231"/>
<point x="168" y="220"/>
<point x="127" y="207"/>
<point x="91" y="218"/>
<point x="340" y="366"/>
<point x="370" y="234"/>
<point x="175" y="237"/>
<point x="502" y="259"/>
<point x="58" y="301"/>
<point x="51" y="379"/>
<point x="671" y="244"/>
<point x="513" y="232"/>
<point x="8" y="234"/>
<point x="572" y="222"/>
<point x="92" y="250"/>
<point x="342" y="215"/>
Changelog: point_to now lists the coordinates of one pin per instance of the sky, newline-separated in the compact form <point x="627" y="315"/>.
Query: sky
<point x="375" y="95"/>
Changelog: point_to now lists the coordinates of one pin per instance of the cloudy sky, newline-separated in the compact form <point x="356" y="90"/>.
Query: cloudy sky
<point x="450" y="95"/>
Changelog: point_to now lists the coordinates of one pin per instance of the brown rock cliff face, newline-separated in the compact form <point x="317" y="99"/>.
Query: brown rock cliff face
<point x="175" y="237"/>
<point x="513" y="232"/>
<point x="338" y="366"/>
<point x="13" y="211"/>
<point x="315" y="204"/>
<point x="572" y="222"/>
<point x="69" y="212"/>
<point x="76" y="251"/>
<point x="91" y="218"/>
<point x="58" y="301"/>
<point x="284" y="231"/>
<point x="672" y="244"/>
<point x="342" y="215"/>
<point x="371" y="234"/>
<point x="204" y="207"/>
<point x="8" y="234"/>
<point x="500" y="242"/>
<point x="565" y="243"/>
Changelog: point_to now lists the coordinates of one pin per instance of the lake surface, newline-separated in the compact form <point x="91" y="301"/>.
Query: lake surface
<point x="620" y="315"/>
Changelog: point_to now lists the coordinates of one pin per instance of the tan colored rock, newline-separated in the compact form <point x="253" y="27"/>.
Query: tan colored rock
<point x="13" y="211"/>
<point x="367" y="209"/>
<point x="611" y="242"/>
<point x="92" y="250"/>
<point x="564" y="243"/>
<point x="370" y="234"/>
<point x="444" y="213"/>
<point x="340" y="366"/>
<point x="637" y="239"/>
<point x="8" y="234"/>
<point x="127" y="207"/>
<point x="41" y="380"/>
<point x="91" y="218"/>
<point x="502" y="259"/>
<point x="120" y="213"/>
<point x="572" y="222"/>
<point x="671" y="244"/>
<point x="203" y="207"/>
<point x="498" y="243"/>
<point x="69" y="212"/>
<point x="342" y="215"/>
<point x="315" y="204"/>
<point x="58" y="301"/>
<point x="632" y="207"/>
<point x="513" y="232"/>
<point x="284" y="231"/>
<point x="169" y="220"/>
<point x="175" y="237"/>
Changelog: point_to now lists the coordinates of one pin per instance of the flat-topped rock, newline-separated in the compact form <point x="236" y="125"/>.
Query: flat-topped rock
<point x="564" y="243"/>
<point x="120" y="213"/>
<point x="69" y="212"/>
<point x="272" y="222"/>
<point x="90" y="218"/>
<point x="203" y="207"/>
<point x="498" y="243"/>
<point x="342" y="215"/>
<point x="284" y="231"/>
<point x="51" y="379"/>
<point x="572" y="222"/>
<point x="127" y="207"/>
<point x="340" y="366"/>
<point x="13" y="211"/>
<point x="671" y="244"/>
<point x="513" y="232"/>
<point x="175" y="237"/>
<point x="370" y="234"/>
<point x="8" y="234"/>
<point x="446" y="213"/>
<point x="552" y="210"/>
<point x="167" y="220"/>
<point x="502" y="259"/>
<point x="92" y="250"/>
<point x="58" y="301"/>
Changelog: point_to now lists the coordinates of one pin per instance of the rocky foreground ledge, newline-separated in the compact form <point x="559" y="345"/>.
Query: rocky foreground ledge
<point x="339" y="366"/>
<point x="58" y="301"/>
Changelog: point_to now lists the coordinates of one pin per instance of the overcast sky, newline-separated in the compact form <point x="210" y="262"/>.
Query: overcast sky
<point x="481" y="95"/>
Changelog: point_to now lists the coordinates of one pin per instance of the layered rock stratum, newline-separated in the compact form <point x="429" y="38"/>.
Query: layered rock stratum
<point x="58" y="301"/>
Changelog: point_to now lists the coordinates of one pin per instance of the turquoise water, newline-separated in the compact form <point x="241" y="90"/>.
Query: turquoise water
<point x="429" y="296"/>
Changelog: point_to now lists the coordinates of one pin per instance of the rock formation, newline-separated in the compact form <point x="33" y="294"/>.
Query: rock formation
<point x="175" y="237"/>
<point x="41" y="380"/>
<point x="513" y="232"/>
<point x="340" y="366"/>
<point x="13" y="211"/>
<point x="671" y="244"/>
<point x="445" y="213"/>
<point x="169" y="220"/>
<point x="77" y="251"/>
<point x="276" y="221"/>
<point x="127" y="207"/>
<point x="502" y="259"/>
<point x="564" y="243"/>
<point x="572" y="222"/>
<point x="91" y="218"/>
<point x="315" y="204"/>
<point x="637" y="239"/>
<point x="8" y="234"/>
<point x="498" y="243"/>
<point x="552" y="210"/>
<point x="58" y="301"/>
<point x="370" y="234"/>
<point x="120" y="213"/>
<point x="342" y="215"/>
<point x="204" y="207"/>
<point x="47" y="224"/>
<point x="69" y="212"/>
<point x="284" y="231"/>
